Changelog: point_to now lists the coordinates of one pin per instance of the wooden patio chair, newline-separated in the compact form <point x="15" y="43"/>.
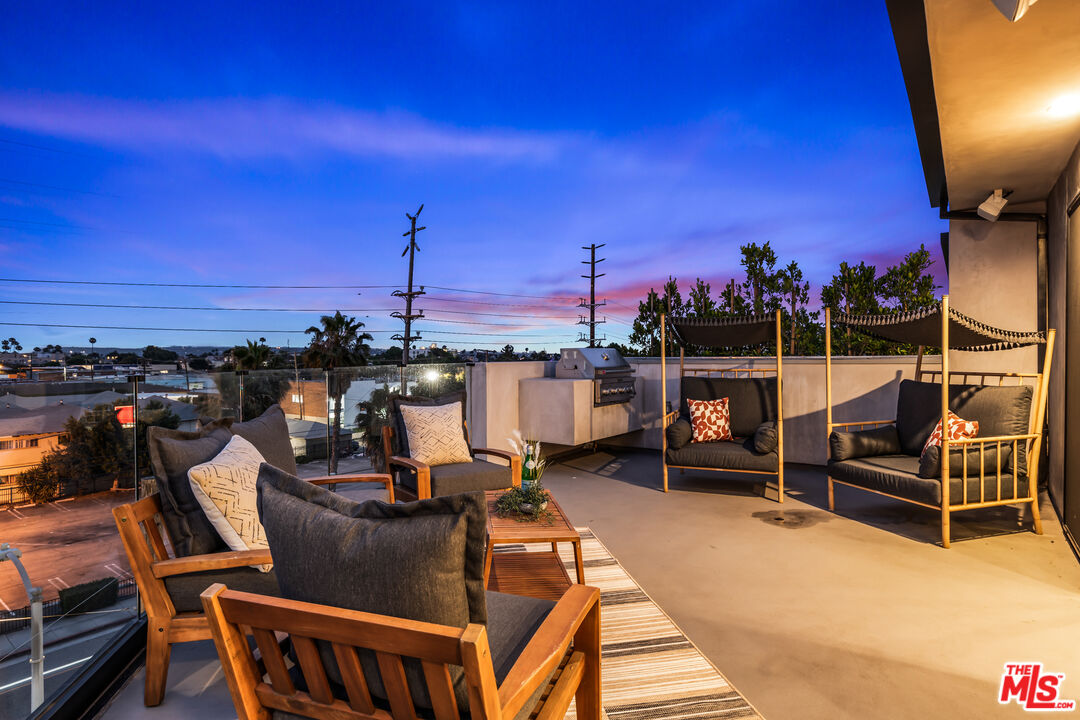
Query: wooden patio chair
<point x="560" y="662"/>
<point x="146" y="542"/>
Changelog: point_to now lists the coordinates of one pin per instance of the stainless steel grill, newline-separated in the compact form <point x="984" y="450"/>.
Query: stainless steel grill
<point x="612" y="376"/>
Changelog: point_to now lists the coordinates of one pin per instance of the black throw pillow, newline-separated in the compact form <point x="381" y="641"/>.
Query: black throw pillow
<point x="421" y="561"/>
<point x="864" y="443"/>
<point x="679" y="433"/>
<point x="766" y="438"/>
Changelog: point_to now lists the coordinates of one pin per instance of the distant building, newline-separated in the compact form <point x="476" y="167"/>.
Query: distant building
<point x="26" y="436"/>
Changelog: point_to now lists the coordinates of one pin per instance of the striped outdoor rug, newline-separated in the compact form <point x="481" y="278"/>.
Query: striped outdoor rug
<point x="650" y="670"/>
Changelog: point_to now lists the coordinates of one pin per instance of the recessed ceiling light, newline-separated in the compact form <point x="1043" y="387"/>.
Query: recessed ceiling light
<point x="1064" y="105"/>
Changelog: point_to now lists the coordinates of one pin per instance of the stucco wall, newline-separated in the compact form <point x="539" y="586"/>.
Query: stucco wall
<point x="864" y="389"/>
<point x="993" y="277"/>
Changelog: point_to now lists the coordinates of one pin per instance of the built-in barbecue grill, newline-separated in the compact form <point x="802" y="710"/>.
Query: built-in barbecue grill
<point x="612" y="376"/>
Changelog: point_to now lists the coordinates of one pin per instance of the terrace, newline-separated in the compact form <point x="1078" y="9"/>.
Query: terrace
<point x="716" y="600"/>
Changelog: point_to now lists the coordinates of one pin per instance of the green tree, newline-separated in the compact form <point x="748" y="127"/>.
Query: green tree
<point x="155" y="354"/>
<point x="41" y="483"/>
<point x="199" y="364"/>
<point x="700" y="302"/>
<point x="796" y="293"/>
<point x="853" y="290"/>
<point x="507" y="353"/>
<point x="762" y="284"/>
<point x="645" y="334"/>
<point x="251" y="356"/>
<point x="908" y="286"/>
<point x="337" y="343"/>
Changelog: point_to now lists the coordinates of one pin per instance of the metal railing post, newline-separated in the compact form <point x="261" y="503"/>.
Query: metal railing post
<point x="37" y="643"/>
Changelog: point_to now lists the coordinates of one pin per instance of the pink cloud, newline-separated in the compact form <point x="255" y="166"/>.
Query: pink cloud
<point x="269" y="127"/>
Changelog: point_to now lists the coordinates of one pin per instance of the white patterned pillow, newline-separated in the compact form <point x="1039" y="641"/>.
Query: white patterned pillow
<point x="225" y="488"/>
<point x="435" y="434"/>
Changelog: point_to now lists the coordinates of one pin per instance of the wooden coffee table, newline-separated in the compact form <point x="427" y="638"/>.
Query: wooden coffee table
<point x="536" y="574"/>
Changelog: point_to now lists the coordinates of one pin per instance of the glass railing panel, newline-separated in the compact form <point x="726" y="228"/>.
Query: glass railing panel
<point x="67" y="458"/>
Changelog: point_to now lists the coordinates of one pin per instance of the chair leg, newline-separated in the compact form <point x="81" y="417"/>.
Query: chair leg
<point x="587" y="640"/>
<point x="158" y="650"/>
<point x="780" y="483"/>
<point x="1035" y="517"/>
<point x="665" y="477"/>
<point x="832" y="501"/>
<point x="945" y="531"/>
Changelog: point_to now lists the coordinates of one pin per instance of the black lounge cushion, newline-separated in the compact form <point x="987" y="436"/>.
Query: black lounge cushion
<point x="421" y="560"/>
<point x="766" y="438"/>
<point x="401" y="435"/>
<point x="751" y="401"/>
<point x="184" y="590"/>
<point x="724" y="455"/>
<point x="463" y="477"/>
<point x="864" y="443"/>
<point x="679" y="433"/>
<point x="899" y="475"/>
<point x="998" y="410"/>
<point x="269" y="433"/>
<point x="512" y="622"/>
<point x="172" y="454"/>
<point x="930" y="461"/>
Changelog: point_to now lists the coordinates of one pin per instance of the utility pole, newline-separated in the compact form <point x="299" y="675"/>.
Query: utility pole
<point x="592" y="322"/>
<point x="731" y="296"/>
<point x="409" y="295"/>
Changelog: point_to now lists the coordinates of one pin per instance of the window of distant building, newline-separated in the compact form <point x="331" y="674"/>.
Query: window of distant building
<point x="6" y="444"/>
<point x="295" y="398"/>
<point x="33" y="442"/>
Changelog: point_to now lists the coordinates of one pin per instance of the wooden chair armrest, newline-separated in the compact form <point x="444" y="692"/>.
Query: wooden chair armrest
<point x="210" y="561"/>
<point x="386" y="480"/>
<point x="547" y="647"/>
<point x="504" y="454"/>
<point x="408" y="462"/>
<point x="671" y="417"/>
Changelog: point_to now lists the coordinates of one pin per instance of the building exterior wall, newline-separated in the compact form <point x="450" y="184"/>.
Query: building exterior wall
<point x="993" y="277"/>
<point x="305" y="400"/>
<point x="18" y="460"/>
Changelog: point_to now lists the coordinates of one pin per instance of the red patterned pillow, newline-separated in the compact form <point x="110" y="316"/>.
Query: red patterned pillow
<point x="710" y="420"/>
<point x="959" y="429"/>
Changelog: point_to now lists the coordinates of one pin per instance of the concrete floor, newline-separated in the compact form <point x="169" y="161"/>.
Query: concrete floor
<point x="858" y="614"/>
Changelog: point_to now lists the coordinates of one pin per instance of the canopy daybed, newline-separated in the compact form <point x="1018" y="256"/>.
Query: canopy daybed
<point x="989" y="453"/>
<point x="754" y="395"/>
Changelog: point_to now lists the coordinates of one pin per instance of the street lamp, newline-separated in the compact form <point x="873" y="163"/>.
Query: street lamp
<point x="37" y="649"/>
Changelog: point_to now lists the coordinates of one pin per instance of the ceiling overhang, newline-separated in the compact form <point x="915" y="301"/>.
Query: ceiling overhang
<point x="986" y="95"/>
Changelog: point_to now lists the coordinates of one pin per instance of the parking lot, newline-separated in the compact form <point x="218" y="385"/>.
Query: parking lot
<point x="63" y="544"/>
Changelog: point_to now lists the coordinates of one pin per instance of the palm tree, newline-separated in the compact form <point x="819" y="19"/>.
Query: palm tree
<point x="339" y="343"/>
<point x="93" y="341"/>
<point x="252" y="356"/>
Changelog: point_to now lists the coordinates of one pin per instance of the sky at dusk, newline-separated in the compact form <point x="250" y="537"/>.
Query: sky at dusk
<point x="218" y="144"/>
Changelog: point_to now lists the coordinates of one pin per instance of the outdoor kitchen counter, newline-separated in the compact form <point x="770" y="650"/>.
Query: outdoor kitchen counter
<point x="562" y="411"/>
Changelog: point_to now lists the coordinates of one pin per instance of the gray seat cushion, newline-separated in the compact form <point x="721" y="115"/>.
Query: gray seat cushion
<point x="930" y="461"/>
<point x="999" y="411"/>
<point x="725" y="455"/>
<point x="184" y="590"/>
<point x="421" y="560"/>
<point x="751" y="401"/>
<point x="864" y="443"/>
<point x="463" y="477"/>
<point x="172" y="454"/>
<point x="512" y="622"/>
<point x="899" y="475"/>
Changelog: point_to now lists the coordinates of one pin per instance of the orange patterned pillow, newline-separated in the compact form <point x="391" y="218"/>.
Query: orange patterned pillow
<point x="959" y="429"/>
<point x="710" y="419"/>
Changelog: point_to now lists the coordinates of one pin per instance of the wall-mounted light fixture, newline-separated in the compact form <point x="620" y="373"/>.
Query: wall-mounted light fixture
<point x="1065" y="105"/>
<point x="1013" y="10"/>
<point x="990" y="208"/>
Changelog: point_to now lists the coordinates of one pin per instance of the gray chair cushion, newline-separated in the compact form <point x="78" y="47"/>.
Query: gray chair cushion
<point x="999" y="411"/>
<point x="269" y="433"/>
<point x="679" y="433"/>
<point x="421" y="560"/>
<point x="898" y="475"/>
<point x="172" y="454"/>
<point x="512" y="622"/>
<point x="751" y="401"/>
<point x="864" y="443"/>
<point x="463" y="477"/>
<point x="766" y="438"/>
<point x="724" y="455"/>
<point x="184" y="590"/>
<point x="930" y="461"/>
<point x="401" y="436"/>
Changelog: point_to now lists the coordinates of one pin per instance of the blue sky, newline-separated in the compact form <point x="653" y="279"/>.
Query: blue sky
<point x="220" y="145"/>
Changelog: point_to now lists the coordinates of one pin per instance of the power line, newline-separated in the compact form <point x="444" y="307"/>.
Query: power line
<point x="516" y="295"/>
<point x="193" y="285"/>
<point x="236" y="330"/>
<point x="56" y="187"/>
<point x="41" y="147"/>
<point x="482" y="302"/>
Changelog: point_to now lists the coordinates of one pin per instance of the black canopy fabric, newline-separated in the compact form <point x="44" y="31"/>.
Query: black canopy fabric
<point x="722" y="332"/>
<point x="923" y="327"/>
